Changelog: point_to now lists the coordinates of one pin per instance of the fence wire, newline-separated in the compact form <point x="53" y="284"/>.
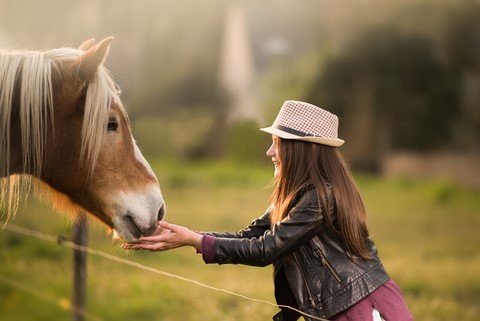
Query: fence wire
<point x="62" y="303"/>
<point x="67" y="243"/>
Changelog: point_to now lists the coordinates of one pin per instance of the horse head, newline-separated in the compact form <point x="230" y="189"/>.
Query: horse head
<point x="70" y="131"/>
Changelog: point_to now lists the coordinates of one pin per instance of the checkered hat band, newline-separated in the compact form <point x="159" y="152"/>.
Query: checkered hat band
<point x="307" y="120"/>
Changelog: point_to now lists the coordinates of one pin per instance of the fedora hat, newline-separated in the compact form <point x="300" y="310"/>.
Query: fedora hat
<point x="303" y="121"/>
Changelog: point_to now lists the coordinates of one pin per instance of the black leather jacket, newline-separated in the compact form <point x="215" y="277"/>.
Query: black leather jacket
<point x="313" y="271"/>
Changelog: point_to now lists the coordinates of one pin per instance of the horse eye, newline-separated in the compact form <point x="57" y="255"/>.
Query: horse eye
<point x="112" y="125"/>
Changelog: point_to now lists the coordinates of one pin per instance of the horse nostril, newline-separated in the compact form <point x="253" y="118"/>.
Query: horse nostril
<point x="161" y="213"/>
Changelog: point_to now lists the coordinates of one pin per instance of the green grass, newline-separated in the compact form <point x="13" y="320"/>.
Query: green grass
<point x="426" y="232"/>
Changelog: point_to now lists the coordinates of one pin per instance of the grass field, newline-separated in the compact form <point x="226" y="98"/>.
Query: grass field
<point x="427" y="234"/>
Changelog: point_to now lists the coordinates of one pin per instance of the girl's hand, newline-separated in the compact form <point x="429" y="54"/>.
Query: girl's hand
<point x="167" y="237"/>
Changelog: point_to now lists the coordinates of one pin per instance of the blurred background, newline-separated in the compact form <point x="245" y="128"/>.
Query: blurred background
<point x="402" y="75"/>
<point x="199" y="78"/>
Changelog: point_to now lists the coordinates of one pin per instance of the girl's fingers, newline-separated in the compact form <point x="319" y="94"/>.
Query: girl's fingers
<point x="155" y="238"/>
<point x="146" y="246"/>
<point x="168" y="226"/>
<point x="168" y="236"/>
<point x="164" y="228"/>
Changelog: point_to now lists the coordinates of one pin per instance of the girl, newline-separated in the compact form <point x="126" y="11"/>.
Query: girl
<point x="314" y="232"/>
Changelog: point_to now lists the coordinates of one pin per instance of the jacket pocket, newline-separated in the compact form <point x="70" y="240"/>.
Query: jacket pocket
<point x="327" y="264"/>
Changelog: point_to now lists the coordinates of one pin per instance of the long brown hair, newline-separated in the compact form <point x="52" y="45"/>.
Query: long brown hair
<point x="304" y="163"/>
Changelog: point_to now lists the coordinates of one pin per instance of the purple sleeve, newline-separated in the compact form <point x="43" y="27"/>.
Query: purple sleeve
<point x="208" y="249"/>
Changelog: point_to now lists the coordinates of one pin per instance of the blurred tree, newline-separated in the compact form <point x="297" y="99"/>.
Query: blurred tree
<point x="462" y="36"/>
<point x="461" y="43"/>
<point x="391" y="92"/>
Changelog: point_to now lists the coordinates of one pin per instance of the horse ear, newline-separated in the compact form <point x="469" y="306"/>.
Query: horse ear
<point x="87" y="64"/>
<point x="87" y="44"/>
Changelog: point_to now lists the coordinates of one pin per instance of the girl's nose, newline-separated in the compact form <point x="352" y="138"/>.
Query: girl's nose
<point x="271" y="151"/>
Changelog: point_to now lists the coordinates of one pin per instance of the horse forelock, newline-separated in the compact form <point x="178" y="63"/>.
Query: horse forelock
<point x="102" y="92"/>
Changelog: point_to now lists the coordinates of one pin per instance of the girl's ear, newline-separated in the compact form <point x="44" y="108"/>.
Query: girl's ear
<point x="87" y="65"/>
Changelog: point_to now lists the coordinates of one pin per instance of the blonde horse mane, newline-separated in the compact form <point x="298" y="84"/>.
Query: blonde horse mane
<point x="32" y="72"/>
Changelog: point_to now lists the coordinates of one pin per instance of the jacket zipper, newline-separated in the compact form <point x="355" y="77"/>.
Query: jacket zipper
<point x="328" y="265"/>
<point x="310" y="296"/>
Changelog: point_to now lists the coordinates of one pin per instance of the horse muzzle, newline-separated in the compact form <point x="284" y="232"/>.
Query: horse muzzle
<point x="130" y="226"/>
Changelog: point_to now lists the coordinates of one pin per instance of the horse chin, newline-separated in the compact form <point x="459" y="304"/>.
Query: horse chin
<point x="125" y="237"/>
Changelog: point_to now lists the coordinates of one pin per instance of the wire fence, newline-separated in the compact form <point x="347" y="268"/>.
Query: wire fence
<point x="62" y="303"/>
<point x="69" y="244"/>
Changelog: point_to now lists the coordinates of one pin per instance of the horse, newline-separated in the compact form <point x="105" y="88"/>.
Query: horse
<point x="65" y="131"/>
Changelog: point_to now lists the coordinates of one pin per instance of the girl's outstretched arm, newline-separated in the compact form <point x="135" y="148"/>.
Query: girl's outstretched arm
<point x="167" y="237"/>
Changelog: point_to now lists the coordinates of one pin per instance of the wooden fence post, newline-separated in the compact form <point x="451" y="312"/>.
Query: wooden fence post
<point x="80" y="237"/>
